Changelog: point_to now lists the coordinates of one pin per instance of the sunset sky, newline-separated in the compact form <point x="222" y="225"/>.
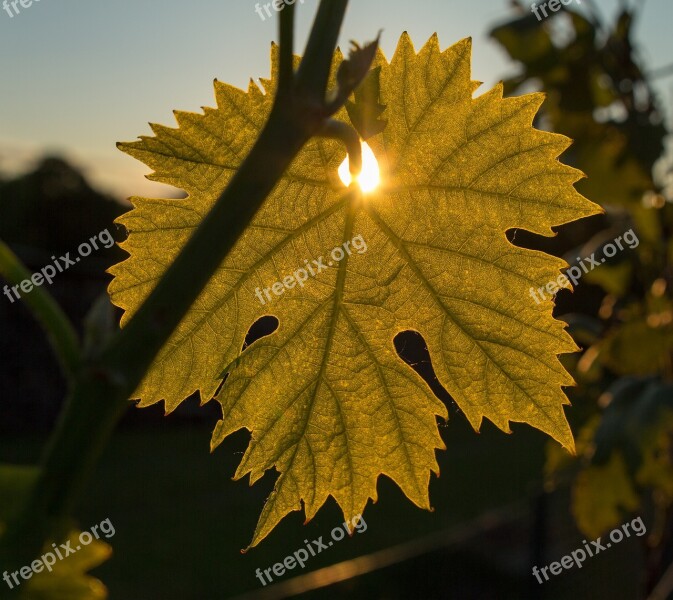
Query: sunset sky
<point x="79" y="76"/>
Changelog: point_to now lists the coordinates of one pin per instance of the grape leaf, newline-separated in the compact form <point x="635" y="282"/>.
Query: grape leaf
<point x="624" y="454"/>
<point x="602" y="495"/>
<point x="327" y="400"/>
<point x="68" y="577"/>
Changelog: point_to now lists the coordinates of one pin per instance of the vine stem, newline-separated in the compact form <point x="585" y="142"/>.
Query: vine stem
<point x="60" y="332"/>
<point x="105" y="382"/>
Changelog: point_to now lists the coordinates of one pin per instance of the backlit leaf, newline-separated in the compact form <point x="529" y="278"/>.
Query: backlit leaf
<point x="67" y="579"/>
<point x="328" y="402"/>
<point x="603" y="495"/>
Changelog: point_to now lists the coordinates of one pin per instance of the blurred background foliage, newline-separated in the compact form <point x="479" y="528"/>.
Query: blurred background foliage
<point x="599" y="93"/>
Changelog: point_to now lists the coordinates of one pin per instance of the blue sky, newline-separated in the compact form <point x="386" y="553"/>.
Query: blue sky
<point x="78" y="76"/>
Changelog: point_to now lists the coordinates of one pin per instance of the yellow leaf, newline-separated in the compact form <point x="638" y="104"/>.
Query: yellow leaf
<point x="327" y="400"/>
<point x="656" y="469"/>
<point x="68" y="579"/>
<point x="602" y="495"/>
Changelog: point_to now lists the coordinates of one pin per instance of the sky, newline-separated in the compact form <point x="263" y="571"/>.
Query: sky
<point x="77" y="76"/>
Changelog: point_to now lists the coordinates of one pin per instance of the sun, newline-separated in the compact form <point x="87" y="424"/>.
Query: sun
<point x="369" y="178"/>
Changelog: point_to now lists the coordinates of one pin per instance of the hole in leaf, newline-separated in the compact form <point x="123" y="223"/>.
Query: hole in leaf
<point x="262" y="327"/>
<point x="413" y="350"/>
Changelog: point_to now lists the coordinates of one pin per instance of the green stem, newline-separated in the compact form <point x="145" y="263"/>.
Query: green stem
<point x="47" y="312"/>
